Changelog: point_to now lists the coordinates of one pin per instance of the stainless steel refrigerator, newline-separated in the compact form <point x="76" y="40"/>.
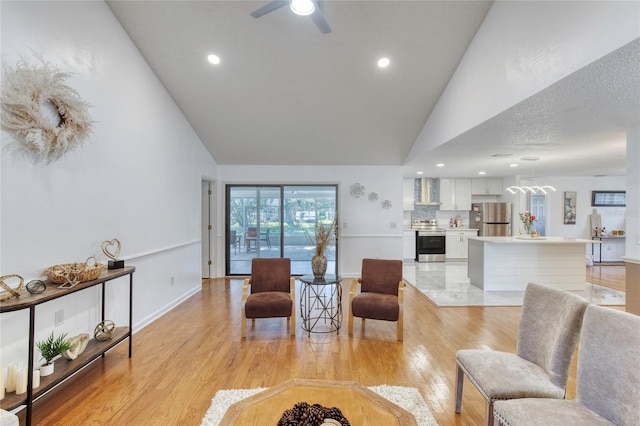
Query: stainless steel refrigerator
<point x="491" y="219"/>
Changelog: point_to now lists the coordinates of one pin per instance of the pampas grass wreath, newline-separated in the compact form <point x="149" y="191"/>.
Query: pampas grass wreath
<point x="26" y="90"/>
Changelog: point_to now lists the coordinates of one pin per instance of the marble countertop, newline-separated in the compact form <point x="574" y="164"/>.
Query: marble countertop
<point x="527" y="240"/>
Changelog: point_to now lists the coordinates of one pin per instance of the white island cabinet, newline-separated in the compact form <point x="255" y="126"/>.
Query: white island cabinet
<point x="510" y="263"/>
<point x="457" y="240"/>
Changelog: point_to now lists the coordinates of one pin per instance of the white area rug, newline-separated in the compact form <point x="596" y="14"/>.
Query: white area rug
<point x="407" y="398"/>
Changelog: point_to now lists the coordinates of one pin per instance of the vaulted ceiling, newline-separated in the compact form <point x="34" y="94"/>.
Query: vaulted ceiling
<point x="284" y="93"/>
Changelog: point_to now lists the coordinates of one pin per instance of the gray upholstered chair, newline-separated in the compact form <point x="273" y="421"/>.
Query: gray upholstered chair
<point x="608" y="382"/>
<point x="269" y="293"/>
<point x="381" y="293"/>
<point x="548" y="333"/>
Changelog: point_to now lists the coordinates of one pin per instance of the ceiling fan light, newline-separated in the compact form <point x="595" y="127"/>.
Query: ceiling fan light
<point x="302" y="7"/>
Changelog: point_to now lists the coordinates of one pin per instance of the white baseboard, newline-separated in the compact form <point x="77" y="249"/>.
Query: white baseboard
<point x="163" y="310"/>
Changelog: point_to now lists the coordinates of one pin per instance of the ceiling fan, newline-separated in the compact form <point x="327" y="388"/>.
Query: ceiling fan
<point x="300" y="7"/>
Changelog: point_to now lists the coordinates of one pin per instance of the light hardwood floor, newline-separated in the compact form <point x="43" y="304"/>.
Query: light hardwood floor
<point x="183" y="358"/>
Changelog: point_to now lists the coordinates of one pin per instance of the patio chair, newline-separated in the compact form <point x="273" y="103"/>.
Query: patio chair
<point x="269" y="293"/>
<point x="266" y="238"/>
<point x="607" y="390"/>
<point x="234" y="240"/>
<point x="549" y="329"/>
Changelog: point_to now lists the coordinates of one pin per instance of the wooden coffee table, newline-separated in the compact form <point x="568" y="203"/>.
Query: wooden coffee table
<point x="357" y="403"/>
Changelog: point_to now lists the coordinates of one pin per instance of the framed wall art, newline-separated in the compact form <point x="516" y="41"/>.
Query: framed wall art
<point x="569" y="207"/>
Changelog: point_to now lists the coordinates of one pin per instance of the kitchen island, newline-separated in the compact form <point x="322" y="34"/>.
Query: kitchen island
<point x="510" y="263"/>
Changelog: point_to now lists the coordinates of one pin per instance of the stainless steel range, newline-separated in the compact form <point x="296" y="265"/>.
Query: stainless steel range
<point x="430" y="241"/>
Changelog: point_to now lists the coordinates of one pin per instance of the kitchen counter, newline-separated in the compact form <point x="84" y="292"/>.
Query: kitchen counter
<point x="541" y="240"/>
<point x="510" y="263"/>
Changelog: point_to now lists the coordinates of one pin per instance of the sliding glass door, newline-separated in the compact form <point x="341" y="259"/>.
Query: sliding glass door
<point x="277" y="221"/>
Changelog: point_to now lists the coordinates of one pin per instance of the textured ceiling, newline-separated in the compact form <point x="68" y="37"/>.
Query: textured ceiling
<point x="287" y="94"/>
<point x="576" y="126"/>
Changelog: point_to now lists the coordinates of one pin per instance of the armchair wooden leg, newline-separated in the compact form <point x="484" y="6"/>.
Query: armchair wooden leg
<point x="243" y="321"/>
<point x="459" y="382"/>
<point x="350" y="324"/>
<point x="400" y="327"/>
<point x="293" y="325"/>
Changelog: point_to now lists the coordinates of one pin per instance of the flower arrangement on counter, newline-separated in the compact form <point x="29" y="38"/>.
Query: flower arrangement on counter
<point x="527" y="221"/>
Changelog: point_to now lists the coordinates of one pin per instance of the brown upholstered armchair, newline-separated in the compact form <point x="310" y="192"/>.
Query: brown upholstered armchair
<point x="381" y="293"/>
<point x="269" y="293"/>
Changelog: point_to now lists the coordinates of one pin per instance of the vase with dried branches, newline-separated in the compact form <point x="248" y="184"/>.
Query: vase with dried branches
<point x="324" y="236"/>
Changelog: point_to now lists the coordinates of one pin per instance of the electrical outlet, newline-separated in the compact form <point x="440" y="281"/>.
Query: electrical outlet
<point x="59" y="318"/>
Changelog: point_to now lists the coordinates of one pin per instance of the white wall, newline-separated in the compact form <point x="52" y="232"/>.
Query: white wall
<point x="138" y="179"/>
<point x="365" y="227"/>
<point x="521" y="48"/>
<point x="633" y="195"/>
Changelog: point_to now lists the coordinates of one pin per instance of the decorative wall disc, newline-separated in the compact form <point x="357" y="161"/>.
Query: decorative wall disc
<point x="373" y="197"/>
<point x="386" y="204"/>
<point x="357" y="190"/>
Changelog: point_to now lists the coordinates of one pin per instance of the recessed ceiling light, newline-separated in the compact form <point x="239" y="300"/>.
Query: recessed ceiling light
<point x="302" y="7"/>
<point x="214" y="59"/>
<point x="440" y="165"/>
<point x="513" y="165"/>
<point x="482" y="173"/>
<point x="383" y="62"/>
<point x="419" y="173"/>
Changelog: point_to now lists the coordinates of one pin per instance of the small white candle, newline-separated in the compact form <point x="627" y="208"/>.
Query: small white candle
<point x="1" y="383"/>
<point x="36" y="379"/>
<point x="12" y="375"/>
<point x="21" y="381"/>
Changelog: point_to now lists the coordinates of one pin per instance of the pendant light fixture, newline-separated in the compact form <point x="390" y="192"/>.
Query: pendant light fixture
<point x="534" y="188"/>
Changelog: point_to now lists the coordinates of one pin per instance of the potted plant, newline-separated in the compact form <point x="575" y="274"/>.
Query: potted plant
<point x="51" y="348"/>
<point x="324" y="235"/>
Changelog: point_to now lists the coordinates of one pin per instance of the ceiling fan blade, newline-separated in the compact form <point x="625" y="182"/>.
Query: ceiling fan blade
<point x="269" y="7"/>
<point x="320" y="21"/>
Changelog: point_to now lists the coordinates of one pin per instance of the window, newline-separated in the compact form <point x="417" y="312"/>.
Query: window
<point x="609" y="198"/>
<point x="277" y="221"/>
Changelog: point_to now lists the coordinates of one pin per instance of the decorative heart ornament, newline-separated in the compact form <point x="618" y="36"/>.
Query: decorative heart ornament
<point x="108" y="249"/>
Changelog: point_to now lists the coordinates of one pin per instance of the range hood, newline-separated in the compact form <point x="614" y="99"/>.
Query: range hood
<point x="427" y="195"/>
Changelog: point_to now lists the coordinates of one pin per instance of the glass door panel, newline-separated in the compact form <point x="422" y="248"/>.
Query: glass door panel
<point x="253" y="215"/>
<point x="304" y="207"/>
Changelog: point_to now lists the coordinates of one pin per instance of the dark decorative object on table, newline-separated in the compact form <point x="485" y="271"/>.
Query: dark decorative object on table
<point x="36" y="286"/>
<point x="304" y="414"/>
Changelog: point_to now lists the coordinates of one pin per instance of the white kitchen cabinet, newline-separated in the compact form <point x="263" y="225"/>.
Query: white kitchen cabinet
<point x="408" y="194"/>
<point x="486" y="186"/>
<point x="455" y="194"/>
<point x="409" y="245"/>
<point x="457" y="241"/>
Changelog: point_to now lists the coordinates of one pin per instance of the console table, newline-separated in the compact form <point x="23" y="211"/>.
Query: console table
<point x="321" y="299"/>
<point x="604" y="237"/>
<point x="64" y="368"/>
